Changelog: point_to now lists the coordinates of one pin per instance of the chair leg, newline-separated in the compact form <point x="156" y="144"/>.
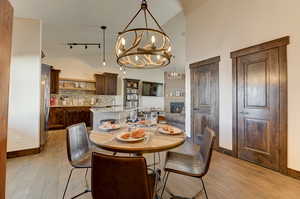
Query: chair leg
<point x="68" y="182"/>
<point x="204" y="188"/>
<point x="85" y="177"/>
<point x="158" y="158"/>
<point x="154" y="161"/>
<point x="165" y="183"/>
<point x="80" y="194"/>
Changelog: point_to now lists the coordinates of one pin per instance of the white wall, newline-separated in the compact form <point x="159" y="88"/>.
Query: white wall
<point x="176" y="29"/>
<point x="217" y="27"/>
<point x="25" y="75"/>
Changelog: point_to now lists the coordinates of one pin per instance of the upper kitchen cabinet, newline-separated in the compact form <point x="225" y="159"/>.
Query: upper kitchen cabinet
<point x="106" y="84"/>
<point x="54" y="86"/>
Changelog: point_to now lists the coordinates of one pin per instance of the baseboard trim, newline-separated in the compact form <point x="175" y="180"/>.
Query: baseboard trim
<point x="225" y="151"/>
<point x="293" y="173"/>
<point x="25" y="152"/>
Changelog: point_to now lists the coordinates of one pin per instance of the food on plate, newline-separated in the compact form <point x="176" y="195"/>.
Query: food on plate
<point x="166" y="128"/>
<point x="125" y="136"/>
<point x="109" y="125"/>
<point x="140" y="133"/>
<point x="169" y="129"/>
<point x="137" y="134"/>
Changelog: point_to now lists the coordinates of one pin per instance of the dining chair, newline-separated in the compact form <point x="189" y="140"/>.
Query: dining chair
<point x="191" y="165"/>
<point x="115" y="177"/>
<point x="79" y="152"/>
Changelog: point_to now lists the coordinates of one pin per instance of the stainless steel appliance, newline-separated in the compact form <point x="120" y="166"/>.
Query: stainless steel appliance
<point x="45" y="103"/>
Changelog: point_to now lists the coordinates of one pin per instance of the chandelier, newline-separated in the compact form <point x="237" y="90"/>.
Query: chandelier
<point x="143" y="48"/>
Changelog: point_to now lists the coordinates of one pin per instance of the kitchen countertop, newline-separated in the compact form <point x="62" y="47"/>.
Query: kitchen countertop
<point x="69" y="106"/>
<point x="116" y="109"/>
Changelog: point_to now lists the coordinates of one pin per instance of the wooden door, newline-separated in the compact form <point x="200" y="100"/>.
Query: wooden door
<point x="6" y="19"/>
<point x="205" y="97"/>
<point x="258" y="106"/>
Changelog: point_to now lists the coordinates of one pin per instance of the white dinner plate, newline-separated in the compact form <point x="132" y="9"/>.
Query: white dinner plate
<point x="177" y="131"/>
<point x="119" y="137"/>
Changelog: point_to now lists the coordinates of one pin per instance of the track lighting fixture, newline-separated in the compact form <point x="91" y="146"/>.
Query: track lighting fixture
<point x="85" y="45"/>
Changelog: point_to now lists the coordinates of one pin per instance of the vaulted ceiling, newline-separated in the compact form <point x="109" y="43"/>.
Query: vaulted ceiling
<point x="80" y="20"/>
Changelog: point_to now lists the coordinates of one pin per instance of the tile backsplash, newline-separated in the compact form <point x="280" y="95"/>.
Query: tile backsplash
<point x="84" y="100"/>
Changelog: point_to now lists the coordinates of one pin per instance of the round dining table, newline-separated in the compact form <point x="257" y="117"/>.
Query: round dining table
<point x="154" y="141"/>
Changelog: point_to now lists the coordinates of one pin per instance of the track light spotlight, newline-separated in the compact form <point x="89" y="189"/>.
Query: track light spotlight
<point x="71" y="47"/>
<point x="85" y="47"/>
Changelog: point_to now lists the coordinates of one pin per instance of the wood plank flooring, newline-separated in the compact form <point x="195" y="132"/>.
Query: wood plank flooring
<point x="43" y="176"/>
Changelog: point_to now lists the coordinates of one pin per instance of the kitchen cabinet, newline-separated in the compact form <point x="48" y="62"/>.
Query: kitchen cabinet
<point x="54" y="81"/>
<point x="56" y="118"/>
<point x="106" y="84"/>
<point x="62" y="117"/>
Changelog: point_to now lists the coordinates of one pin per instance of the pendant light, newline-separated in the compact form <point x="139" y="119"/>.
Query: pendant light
<point x="103" y="55"/>
<point x="144" y="47"/>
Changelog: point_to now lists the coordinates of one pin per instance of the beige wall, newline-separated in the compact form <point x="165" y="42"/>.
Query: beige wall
<point x="217" y="27"/>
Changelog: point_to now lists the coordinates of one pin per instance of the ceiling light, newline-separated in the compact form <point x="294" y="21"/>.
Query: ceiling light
<point x="103" y="55"/>
<point x="146" y="46"/>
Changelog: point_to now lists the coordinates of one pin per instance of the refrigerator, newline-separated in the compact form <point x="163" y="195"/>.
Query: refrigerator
<point x="45" y="103"/>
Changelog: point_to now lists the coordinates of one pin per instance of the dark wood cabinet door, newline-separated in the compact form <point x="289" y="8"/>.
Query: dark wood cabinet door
<point x="75" y="115"/>
<point x="56" y="118"/>
<point x="205" y="97"/>
<point x="6" y="20"/>
<point x="111" y="85"/>
<point x="54" y="81"/>
<point x="100" y="84"/>
<point x="258" y="108"/>
<point x="106" y="84"/>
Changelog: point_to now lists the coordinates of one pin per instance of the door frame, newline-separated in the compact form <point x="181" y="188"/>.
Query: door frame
<point x="281" y="44"/>
<point x="6" y="23"/>
<point x="213" y="60"/>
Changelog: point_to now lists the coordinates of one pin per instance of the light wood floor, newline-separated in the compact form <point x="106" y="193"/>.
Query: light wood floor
<point x="43" y="176"/>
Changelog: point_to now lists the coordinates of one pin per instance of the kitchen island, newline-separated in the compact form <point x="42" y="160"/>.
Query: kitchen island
<point x="116" y="112"/>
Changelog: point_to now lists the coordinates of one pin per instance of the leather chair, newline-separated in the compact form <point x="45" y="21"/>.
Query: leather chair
<point x="79" y="152"/>
<point x="115" y="177"/>
<point x="191" y="165"/>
